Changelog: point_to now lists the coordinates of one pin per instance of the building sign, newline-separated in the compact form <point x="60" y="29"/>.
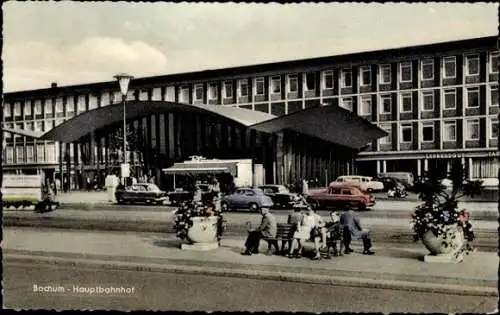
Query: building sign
<point x="456" y="155"/>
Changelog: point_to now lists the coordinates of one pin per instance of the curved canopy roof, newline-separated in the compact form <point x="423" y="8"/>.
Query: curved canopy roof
<point x="79" y="126"/>
<point x="23" y="132"/>
<point x="329" y="123"/>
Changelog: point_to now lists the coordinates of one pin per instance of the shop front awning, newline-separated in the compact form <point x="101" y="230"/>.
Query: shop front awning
<point x="330" y="123"/>
<point x="190" y="168"/>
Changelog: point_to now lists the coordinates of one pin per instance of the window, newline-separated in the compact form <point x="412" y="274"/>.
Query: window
<point x="28" y="126"/>
<point x="259" y="86"/>
<point x="428" y="132"/>
<point x="198" y="92"/>
<point x="51" y="153"/>
<point x="450" y="67"/>
<point x="406" y="103"/>
<point x="228" y="89"/>
<point x="38" y="107"/>
<point x="472" y="129"/>
<point x="59" y="105"/>
<point x="185" y="95"/>
<point x="494" y="129"/>
<point x="366" y="105"/>
<point x="130" y="95"/>
<point x="117" y="97"/>
<point x="328" y="80"/>
<point x="27" y="108"/>
<point x="385" y="74"/>
<point x="48" y="106"/>
<point x="450" y="131"/>
<point x="450" y="99"/>
<point x="20" y="154"/>
<point x="293" y="83"/>
<point x="494" y="62"/>
<point x="39" y="125"/>
<point x="310" y="82"/>
<point x="427" y="69"/>
<point x="70" y="105"/>
<point x="170" y="94"/>
<point x="346" y="78"/>
<point x="17" y="109"/>
<point x="40" y="153"/>
<point x="386" y="104"/>
<point x="472" y="65"/>
<point x="93" y="102"/>
<point x="428" y="101"/>
<point x="346" y="103"/>
<point x="387" y="139"/>
<point x="212" y="91"/>
<point x="7" y="110"/>
<point x="29" y="154"/>
<point x="243" y="87"/>
<point x="276" y="85"/>
<point x="366" y="75"/>
<point x="494" y="95"/>
<point x="406" y="72"/>
<point x="406" y="133"/>
<point x="81" y="103"/>
<point x="473" y="97"/>
<point x="143" y="95"/>
<point x="156" y="94"/>
<point x="9" y="152"/>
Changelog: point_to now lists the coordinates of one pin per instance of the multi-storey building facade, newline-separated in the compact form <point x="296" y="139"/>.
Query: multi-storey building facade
<point x="438" y="103"/>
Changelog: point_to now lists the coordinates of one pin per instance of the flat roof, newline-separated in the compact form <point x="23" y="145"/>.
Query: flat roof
<point x="365" y="56"/>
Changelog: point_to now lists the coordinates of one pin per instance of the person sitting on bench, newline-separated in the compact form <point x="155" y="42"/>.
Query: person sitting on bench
<point x="309" y="228"/>
<point x="332" y="234"/>
<point x="352" y="226"/>
<point x="266" y="229"/>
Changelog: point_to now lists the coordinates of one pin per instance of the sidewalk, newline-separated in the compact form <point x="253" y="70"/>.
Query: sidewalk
<point x="391" y="267"/>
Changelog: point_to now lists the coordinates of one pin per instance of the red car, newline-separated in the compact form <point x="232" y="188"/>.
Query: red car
<point x="341" y="196"/>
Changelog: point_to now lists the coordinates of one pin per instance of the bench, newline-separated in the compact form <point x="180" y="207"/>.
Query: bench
<point x="284" y="234"/>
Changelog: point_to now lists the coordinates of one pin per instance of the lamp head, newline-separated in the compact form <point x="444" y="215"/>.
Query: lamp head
<point x="123" y="79"/>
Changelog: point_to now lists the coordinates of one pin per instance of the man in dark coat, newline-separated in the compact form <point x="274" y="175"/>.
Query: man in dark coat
<point x="266" y="229"/>
<point x="352" y="227"/>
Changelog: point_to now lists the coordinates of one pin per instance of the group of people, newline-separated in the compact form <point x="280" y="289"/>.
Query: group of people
<point x="308" y="225"/>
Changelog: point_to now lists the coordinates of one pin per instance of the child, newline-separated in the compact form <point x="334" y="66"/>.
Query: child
<point x="333" y="234"/>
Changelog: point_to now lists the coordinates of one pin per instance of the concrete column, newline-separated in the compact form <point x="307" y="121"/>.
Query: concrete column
<point x="426" y="165"/>
<point x="92" y="151"/>
<point x="384" y="166"/>
<point x="448" y="166"/>
<point x="419" y="167"/>
<point x="378" y="166"/>
<point x="469" y="168"/>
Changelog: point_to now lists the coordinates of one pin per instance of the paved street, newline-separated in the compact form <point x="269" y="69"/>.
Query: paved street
<point x="181" y="292"/>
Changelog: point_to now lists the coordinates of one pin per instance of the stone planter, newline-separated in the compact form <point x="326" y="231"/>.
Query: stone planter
<point x="202" y="234"/>
<point x="441" y="253"/>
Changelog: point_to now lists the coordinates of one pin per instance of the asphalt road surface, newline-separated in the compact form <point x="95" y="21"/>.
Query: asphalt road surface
<point x="161" y="291"/>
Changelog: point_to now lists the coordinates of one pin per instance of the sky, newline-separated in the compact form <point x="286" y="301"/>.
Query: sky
<point x="77" y="42"/>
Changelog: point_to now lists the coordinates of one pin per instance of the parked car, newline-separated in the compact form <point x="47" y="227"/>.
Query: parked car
<point x="363" y="182"/>
<point x="388" y="182"/>
<point x="406" y="178"/>
<point x="281" y="196"/>
<point x="341" y="196"/>
<point x="142" y="192"/>
<point x="246" y="198"/>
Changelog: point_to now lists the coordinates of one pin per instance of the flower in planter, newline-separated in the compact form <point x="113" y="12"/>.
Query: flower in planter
<point x="439" y="211"/>
<point x="188" y="210"/>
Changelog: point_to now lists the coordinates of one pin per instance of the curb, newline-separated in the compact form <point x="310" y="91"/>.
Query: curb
<point x="350" y="281"/>
<point x="486" y="240"/>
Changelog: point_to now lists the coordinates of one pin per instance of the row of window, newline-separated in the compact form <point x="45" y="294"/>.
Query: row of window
<point x="449" y="70"/>
<point x="449" y="131"/>
<point x="44" y="154"/>
<point x="427" y="100"/>
<point x="309" y="80"/>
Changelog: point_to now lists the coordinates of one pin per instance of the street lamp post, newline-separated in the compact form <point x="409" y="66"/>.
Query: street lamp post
<point x="124" y="80"/>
